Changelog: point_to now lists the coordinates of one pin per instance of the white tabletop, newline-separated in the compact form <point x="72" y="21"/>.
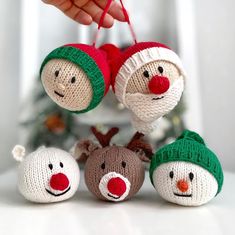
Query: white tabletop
<point x="146" y="213"/>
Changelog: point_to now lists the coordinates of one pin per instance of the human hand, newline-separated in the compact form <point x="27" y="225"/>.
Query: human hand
<point x="87" y="11"/>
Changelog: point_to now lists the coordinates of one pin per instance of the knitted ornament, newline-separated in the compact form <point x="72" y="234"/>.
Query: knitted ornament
<point x="46" y="175"/>
<point x="55" y="123"/>
<point x="76" y="77"/>
<point x="186" y="172"/>
<point x="114" y="173"/>
<point x="148" y="78"/>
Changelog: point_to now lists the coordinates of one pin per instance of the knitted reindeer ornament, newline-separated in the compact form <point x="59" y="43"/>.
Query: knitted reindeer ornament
<point x="46" y="175"/>
<point x="114" y="173"/>
<point x="186" y="172"/>
<point x="76" y="77"/>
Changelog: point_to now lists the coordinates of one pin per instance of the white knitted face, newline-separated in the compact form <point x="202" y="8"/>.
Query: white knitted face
<point x="139" y="80"/>
<point x="104" y="188"/>
<point x="48" y="175"/>
<point x="184" y="183"/>
<point x="67" y="84"/>
<point x="150" y="107"/>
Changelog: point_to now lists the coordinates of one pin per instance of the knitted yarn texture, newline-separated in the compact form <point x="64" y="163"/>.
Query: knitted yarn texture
<point x="76" y="77"/>
<point x="186" y="172"/>
<point x="114" y="173"/>
<point x="147" y="108"/>
<point x="46" y="175"/>
<point x="148" y="78"/>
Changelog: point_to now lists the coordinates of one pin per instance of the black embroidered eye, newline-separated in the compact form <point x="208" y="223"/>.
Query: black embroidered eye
<point x="146" y="74"/>
<point x="160" y="69"/>
<point x="171" y="174"/>
<point x="73" y="80"/>
<point x="50" y="166"/>
<point x="57" y="73"/>
<point x="103" y="166"/>
<point x="123" y="164"/>
<point x="61" y="165"/>
<point x="191" y="176"/>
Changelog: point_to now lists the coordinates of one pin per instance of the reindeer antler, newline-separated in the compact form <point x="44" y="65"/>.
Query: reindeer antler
<point x="137" y="144"/>
<point x="136" y="136"/>
<point x="104" y="139"/>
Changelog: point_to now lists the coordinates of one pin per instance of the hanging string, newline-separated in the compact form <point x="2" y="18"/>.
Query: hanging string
<point x="129" y="22"/>
<point x="101" y="21"/>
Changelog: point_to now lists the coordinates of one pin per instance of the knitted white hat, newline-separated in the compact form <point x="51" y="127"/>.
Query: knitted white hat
<point x="46" y="175"/>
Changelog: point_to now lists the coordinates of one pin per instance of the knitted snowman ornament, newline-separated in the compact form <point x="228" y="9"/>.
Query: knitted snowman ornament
<point x="46" y="175"/>
<point x="186" y="172"/>
<point x="76" y="77"/>
<point x="148" y="78"/>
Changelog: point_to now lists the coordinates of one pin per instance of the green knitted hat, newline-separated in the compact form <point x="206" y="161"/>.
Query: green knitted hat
<point x="189" y="147"/>
<point x="91" y="61"/>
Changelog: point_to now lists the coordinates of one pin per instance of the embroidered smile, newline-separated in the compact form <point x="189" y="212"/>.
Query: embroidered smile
<point x="183" y="195"/>
<point x="113" y="196"/>
<point x="57" y="93"/>
<point x="158" y="98"/>
<point x="59" y="194"/>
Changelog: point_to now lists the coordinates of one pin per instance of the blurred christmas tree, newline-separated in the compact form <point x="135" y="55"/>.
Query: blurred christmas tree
<point x="170" y="126"/>
<point x="47" y="124"/>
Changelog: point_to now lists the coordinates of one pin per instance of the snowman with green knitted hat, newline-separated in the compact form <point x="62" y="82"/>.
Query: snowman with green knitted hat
<point x="186" y="172"/>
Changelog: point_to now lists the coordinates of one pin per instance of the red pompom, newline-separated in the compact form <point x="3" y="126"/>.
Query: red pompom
<point x="112" y="54"/>
<point x="159" y="84"/>
<point x="111" y="51"/>
<point x="116" y="186"/>
<point x="59" y="182"/>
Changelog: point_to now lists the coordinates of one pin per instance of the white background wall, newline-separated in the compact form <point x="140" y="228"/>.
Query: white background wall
<point x="215" y="28"/>
<point x="215" y="37"/>
<point x="9" y="78"/>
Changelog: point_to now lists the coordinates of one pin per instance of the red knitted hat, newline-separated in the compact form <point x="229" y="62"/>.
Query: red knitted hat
<point x="124" y="64"/>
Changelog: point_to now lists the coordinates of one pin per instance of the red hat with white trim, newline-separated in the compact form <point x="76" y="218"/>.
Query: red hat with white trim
<point x="129" y="61"/>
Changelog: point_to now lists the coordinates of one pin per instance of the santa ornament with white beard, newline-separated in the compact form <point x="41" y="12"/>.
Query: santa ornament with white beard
<point x="148" y="79"/>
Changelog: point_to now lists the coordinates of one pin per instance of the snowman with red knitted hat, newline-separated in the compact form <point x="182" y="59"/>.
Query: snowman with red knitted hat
<point x="148" y="79"/>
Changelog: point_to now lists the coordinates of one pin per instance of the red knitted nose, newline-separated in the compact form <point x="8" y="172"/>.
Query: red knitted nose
<point x="116" y="186"/>
<point x="59" y="182"/>
<point x="182" y="185"/>
<point x="159" y="84"/>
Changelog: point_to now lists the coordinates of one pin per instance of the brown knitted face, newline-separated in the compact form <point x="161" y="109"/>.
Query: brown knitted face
<point x="67" y="84"/>
<point x="139" y="81"/>
<point x="114" y="173"/>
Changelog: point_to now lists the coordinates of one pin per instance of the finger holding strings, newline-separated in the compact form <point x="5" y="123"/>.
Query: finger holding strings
<point x="129" y="22"/>
<point x="115" y="9"/>
<point x="79" y="15"/>
<point x="85" y="11"/>
<point x="71" y="10"/>
<point x="96" y="12"/>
